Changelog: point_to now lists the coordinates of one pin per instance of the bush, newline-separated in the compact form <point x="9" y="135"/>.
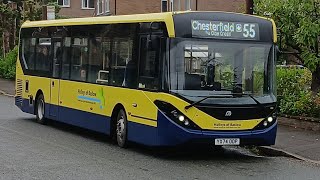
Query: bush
<point x="8" y="64"/>
<point x="294" y="94"/>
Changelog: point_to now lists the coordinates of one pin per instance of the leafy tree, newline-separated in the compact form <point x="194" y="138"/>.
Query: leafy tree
<point x="11" y="18"/>
<point x="32" y="10"/>
<point x="299" y="24"/>
<point x="7" y="26"/>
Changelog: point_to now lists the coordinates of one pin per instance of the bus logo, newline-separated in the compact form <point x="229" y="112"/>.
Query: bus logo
<point x="239" y="28"/>
<point x="228" y="113"/>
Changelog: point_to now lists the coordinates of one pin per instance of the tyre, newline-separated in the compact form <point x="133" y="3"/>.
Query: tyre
<point x="40" y="109"/>
<point x="122" y="129"/>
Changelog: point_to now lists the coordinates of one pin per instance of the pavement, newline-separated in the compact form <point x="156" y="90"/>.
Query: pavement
<point x="295" y="138"/>
<point x="298" y="142"/>
<point x="7" y="87"/>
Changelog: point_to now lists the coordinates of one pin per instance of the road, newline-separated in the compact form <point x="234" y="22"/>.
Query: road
<point x="56" y="151"/>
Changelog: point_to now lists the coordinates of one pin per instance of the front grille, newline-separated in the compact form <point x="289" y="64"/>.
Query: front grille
<point x="237" y="113"/>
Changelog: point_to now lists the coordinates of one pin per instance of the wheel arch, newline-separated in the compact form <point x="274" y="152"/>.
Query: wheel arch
<point x="39" y="92"/>
<point x="114" y="114"/>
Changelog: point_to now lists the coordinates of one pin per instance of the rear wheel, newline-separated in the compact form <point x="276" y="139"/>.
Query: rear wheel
<point x="121" y="129"/>
<point x="40" y="107"/>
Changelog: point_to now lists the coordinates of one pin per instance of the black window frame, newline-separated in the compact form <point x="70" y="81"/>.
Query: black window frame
<point x="36" y="33"/>
<point x="136" y="29"/>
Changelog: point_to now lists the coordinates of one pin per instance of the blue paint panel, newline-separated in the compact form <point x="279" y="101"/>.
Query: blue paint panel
<point x="85" y="120"/>
<point x="47" y="111"/>
<point x="74" y="117"/>
<point x="172" y="134"/>
<point x="142" y="134"/>
<point x="26" y="107"/>
<point x="53" y="111"/>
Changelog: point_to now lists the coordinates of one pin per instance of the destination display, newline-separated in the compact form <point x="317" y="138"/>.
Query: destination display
<point x="225" y="30"/>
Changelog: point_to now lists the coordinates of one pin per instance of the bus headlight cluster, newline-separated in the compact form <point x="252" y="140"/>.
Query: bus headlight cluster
<point x="267" y="121"/>
<point x="180" y="117"/>
<point x="175" y="115"/>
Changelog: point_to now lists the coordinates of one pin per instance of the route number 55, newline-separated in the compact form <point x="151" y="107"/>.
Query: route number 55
<point x="248" y="30"/>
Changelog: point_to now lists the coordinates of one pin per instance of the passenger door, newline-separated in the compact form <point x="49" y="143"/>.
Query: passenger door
<point x="142" y="109"/>
<point x="56" y="56"/>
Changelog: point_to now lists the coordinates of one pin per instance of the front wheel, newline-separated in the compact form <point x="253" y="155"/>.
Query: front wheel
<point x="40" y="107"/>
<point x="121" y="129"/>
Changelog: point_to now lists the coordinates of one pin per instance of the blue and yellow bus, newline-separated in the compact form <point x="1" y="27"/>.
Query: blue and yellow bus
<point x="160" y="79"/>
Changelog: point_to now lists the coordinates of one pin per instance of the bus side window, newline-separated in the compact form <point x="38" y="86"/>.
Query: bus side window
<point x="95" y="59"/>
<point x="103" y="73"/>
<point x="149" y="63"/>
<point x="28" y="47"/>
<point x="79" y="59"/>
<point x="42" y="53"/>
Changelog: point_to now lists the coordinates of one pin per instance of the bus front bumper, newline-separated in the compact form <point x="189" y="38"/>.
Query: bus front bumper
<point x="169" y="133"/>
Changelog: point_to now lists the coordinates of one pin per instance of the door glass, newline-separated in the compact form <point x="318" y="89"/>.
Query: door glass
<point x="57" y="54"/>
<point x="149" y="63"/>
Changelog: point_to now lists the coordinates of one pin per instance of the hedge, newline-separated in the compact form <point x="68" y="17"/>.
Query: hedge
<point x="8" y="65"/>
<point x="294" y="93"/>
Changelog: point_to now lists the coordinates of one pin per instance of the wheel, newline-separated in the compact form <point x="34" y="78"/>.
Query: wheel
<point x="40" y="107"/>
<point x="121" y="129"/>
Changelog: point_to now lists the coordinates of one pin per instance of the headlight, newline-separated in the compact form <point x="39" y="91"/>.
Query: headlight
<point x="181" y="118"/>
<point x="186" y="122"/>
<point x="267" y="122"/>
<point x="174" y="114"/>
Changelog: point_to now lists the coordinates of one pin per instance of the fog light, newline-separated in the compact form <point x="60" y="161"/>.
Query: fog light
<point x="270" y="119"/>
<point x="265" y="123"/>
<point x="186" y="123"/>
<point x="181" y="118"/>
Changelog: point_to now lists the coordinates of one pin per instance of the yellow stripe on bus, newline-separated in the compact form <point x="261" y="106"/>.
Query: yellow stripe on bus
<point x="143" y="121"/>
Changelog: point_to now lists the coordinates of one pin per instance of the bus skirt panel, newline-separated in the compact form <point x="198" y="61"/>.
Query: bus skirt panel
<point x="25" y="105"/>
<point x="87" y="120"/>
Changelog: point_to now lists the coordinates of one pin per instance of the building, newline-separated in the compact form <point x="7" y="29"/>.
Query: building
<point x="87" y="8"/>
<point x="77" y="8"/>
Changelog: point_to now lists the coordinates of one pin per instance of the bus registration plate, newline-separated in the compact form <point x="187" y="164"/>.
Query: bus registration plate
<point x="227" y="141"/>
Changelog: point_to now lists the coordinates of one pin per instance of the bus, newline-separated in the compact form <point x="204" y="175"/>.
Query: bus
<point x="159" y="79"/>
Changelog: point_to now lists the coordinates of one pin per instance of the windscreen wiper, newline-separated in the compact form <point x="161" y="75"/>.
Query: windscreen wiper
<point x="232" y="94"/>
<point x="262" y="107"/>
<point x="253" y="98"/>
<point x="207" y="97"/>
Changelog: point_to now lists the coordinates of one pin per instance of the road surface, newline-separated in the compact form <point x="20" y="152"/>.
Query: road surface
<point x="57" y="151"/>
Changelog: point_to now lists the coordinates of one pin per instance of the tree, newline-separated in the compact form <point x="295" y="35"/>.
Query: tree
<point x="298" y="22"/>
<point x="13" y="13"/>
<point x="249" y="6"/>
<point x="8" y="16"/>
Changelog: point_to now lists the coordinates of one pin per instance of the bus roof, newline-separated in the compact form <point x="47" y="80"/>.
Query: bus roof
<point x="153" y="17"/>
<point x="166" y="17"/>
